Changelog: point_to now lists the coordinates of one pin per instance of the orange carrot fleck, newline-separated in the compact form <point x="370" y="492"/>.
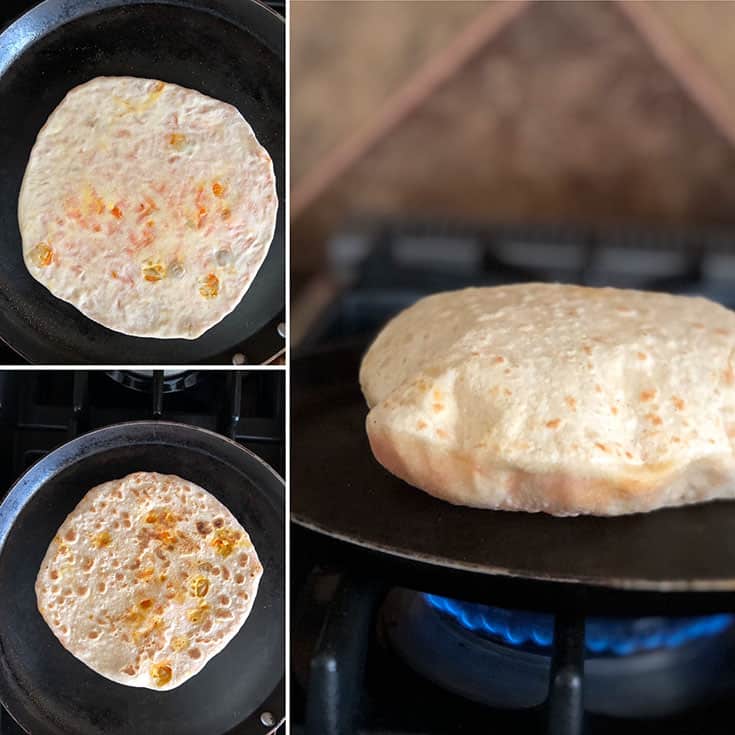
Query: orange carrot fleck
<point x="210" y="286"/>
<point x="217" y="189"/>
<point x="177" y="140"/>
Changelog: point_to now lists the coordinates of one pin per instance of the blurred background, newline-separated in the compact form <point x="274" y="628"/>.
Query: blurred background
<point x="442" y="144"/>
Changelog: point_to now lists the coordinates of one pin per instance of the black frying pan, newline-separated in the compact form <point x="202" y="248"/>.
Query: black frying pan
<point x="44" y="687"/>
<point x="340" y="491"/>
<point x="229" y="49"/>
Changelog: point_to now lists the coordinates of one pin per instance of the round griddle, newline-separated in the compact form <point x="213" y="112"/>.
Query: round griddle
<point x="232" y="50"/>
<point x="44" y="687"/>
<point x="340" y="491"/>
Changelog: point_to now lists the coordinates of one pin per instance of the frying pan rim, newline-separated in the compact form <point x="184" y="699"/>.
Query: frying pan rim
<point x="304" y="404"/>
<point x="88" y="7"/>
<point x="9" y="510"/>
<point x="640" y="584"/>
<point x="66" y="11"/>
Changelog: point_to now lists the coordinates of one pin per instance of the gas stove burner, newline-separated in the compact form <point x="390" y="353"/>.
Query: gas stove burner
<point x="604" y="636"/>
<point x="143" y="380"/>
<point x="649" y="667"/>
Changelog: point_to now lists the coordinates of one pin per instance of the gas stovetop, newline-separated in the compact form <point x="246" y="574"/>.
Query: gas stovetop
<point x="42" y="409"/>
<point x="39" y="410"/>
<point x="385" y="267"/>
<point x="423" y="663"/>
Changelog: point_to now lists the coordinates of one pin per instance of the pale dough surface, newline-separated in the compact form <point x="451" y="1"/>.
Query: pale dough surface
<point x="147" y="579"/>
<point x="554" y="398"/>
<point x="148" y="206"/>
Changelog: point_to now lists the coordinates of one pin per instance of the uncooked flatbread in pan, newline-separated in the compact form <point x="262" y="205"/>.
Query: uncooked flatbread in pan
<point x="147" y="579"/>
<point x="148" y="206"/>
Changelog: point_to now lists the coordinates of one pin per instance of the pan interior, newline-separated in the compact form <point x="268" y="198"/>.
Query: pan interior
<point x="228" y="49"/>
<point x="60" y="694"/>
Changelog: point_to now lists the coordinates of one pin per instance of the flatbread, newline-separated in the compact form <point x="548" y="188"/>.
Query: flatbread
<point x="148" y="206"/>
<point x="561" y="399"/>
<point x="147" y="579"/>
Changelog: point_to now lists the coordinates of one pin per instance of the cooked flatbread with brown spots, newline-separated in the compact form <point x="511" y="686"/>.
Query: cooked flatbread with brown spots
<point x="148" y="206"/>
<point x="147" y="579"/>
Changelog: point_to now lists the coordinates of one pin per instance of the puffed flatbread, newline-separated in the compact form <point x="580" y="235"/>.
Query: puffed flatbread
<point x="148" y="206"/>
<point x="147" y="579"/>
<point x="553" y="398"/>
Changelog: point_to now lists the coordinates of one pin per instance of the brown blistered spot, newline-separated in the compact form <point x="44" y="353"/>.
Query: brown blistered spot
<point x="614" y="410"/>
<point x="102" y="539"/>
<point x="586" y="349"/>
<point x="82" y="590"/>
<point x="177" y="140"/>
<point x="224" y="600"/>
<point x="678" y="403"/>
<point x="498" y="359"/>
<point x="641" y="355"/>
<point x="209" y="286"/>
<point x="54" y="574"/>
<point x="179" y="643"/>
<point x="675" y="439"/>
<point x="421" y="425"/>
<point x="441" y="433"/>
<point x="553" y="424"/>
<point x="723" y="332"/>
<point x="698" y="325"/>
<point x="507" y="392"/>
<point x="198" y="586"/>
<point x="728" y="375"/>
<point x="629" y="455"/>
<point x="93" y="634"/>
<point x="239" y="578"/>
<point x="161" y="674"/>
<point x="204" y="528"/>
<point x="130" y="670"/>
<point x="119" y="576"/>
<point x="218" y="189"/>
<point x="598" y="388"/>
<point x="219" y="522"/>
<point x="602" y="447"/>
<point x="101" y="586"/>
<point x="655" y="419"/>
<point x="223" y="614"/>
<point x="42" y="254"/>
<point x="146" y="604"/>
<point x="570" y="402"/>
<point x="153" y="272"/>
<point x="197" y="615"/>
<point x="647" y="395"/>
<point x="71" y="535"/>
<point x="438" y="407"/>
<point x="194" y="653"/>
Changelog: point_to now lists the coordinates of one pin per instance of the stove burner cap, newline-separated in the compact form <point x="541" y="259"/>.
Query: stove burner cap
<point x="604" y="636"/>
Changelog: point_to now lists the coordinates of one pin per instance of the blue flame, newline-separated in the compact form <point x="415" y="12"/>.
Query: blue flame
<point x="604" y="636"/>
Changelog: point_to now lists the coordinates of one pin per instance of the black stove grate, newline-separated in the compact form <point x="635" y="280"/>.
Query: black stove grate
<point x="387" y="266"/>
